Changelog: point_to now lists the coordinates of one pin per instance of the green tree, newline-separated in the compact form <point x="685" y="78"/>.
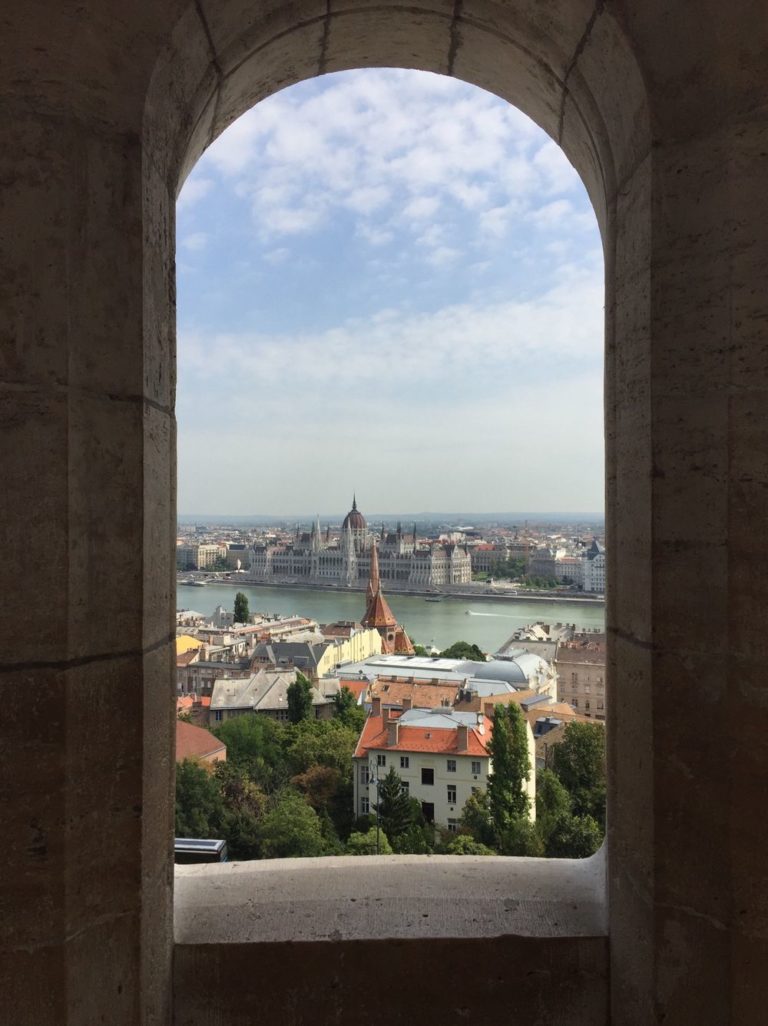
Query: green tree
<point x="321" y="743"/>
<point x="574" y="837"/>
<point x="553" y="804"/>
<point x="476" y="818"/>
<point x="394" y="806"/>
<point x="199" y="805"/>
<point x="579" y="763"/>
<point x="463" y="650"/>
<point x="365" y="844"/>
<point x="241" y="612"/>
<point x="256" y="744"/>
<point x="245" y="803"/>
<point x="299" y="699"/>
<point x="508" y="748"/>
<point x="319" y="785"/>
<point x="463" y="844"/>
<point x="419" y="650"/>
<point x="520" y="837"/>
<point x="346" y="709"/>
<point x="290" y="829"/>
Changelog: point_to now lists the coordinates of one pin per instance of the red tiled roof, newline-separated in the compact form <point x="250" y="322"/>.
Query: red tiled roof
<point x="196" y="743"/>
<point x="420" y="739"/>
<point x="357" y="687"/>
<point x="424" y="695"/>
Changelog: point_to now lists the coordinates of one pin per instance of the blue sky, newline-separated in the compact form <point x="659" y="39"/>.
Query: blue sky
<point x="389" y="282"/>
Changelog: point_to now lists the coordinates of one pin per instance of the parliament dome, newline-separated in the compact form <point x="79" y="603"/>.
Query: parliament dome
<point x="354" y="519"/>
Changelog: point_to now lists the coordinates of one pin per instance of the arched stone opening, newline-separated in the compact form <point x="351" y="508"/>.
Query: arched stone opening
<point x="105" y="108"/>
<point x="569" y="68"/>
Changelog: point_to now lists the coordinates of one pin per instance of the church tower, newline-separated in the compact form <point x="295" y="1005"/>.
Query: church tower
<point x="379" y="616"/>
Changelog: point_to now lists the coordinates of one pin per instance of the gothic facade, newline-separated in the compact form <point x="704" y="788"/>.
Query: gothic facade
<point x="315" y="557"/>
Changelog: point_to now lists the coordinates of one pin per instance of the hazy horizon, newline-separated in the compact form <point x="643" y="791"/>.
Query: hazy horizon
<point x="377" y="515"/>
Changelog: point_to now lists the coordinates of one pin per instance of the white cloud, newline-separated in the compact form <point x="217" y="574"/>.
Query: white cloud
<point x="552" y="215"/>
<point x="559" y="174"/>
<point x="195" y="242"/>
<point x="194" y="189"/>
<point x="402" y="146"/>
<point x="420" y="207"/>
<point x="277" y="256"/>
<point x="373" y="235"/>
<point x="442" y="256"/>
<point x="516" y="338"/>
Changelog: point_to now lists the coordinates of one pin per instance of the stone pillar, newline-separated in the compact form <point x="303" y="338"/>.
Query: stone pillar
<point x="687" y="404"/>
<point x="86" y="670"/>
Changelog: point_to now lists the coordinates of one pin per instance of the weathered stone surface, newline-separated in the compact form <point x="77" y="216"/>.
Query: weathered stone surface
<point x="105" y="107"/>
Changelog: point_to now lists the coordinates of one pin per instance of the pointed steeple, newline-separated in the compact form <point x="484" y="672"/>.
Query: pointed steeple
<point x="316" y="535"/>
<point x="382" y="530"/>
<point x="374" y="582"/>
<point x="354" y="501"/>
<point x="379" y="616"/>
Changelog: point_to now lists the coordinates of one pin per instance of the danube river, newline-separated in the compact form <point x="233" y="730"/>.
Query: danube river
<point x="486" y="622"/>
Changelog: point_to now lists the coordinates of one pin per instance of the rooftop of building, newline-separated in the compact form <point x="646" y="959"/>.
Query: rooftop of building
<point x="426" y="730"/>
<point x="197" y="743"/>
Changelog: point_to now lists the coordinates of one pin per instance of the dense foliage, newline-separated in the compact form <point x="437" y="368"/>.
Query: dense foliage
<point x="570" y="798"/>
<point x="463" y="650"/>
<point x="286" y="791"/>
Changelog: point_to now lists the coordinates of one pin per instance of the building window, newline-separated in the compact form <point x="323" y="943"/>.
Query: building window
<point x="405" y="786"/>
<point x="381" y="759"/>
<point x="404" y="762"/>
<point x="218" y="715"/>
<point x="475" y="790"/>
<point x="476" y="769"/>
<point x="365" y="806"/>
<point x="451" y="794"/>
<point x="451" y="765"/>
<point x="364" y="775"/>
<point x="453" y="826"/>
<point x="428" y="776"/>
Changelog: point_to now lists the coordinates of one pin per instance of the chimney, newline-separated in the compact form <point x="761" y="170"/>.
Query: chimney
<point x="393" y="731"/>
<point x="462" y="737"/>
<point x="488" y="709"/>
<point x="376" y="706"/>
<point x="407" y="704"/>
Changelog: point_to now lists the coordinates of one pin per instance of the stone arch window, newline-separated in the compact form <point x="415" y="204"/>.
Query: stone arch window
<point x="569" y="101"/>
<point x="661" y="108"/>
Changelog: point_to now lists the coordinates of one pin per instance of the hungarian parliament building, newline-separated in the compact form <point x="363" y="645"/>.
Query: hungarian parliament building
<point x="346" y="559"/>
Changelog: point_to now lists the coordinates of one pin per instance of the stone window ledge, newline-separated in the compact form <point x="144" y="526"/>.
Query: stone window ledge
<point x="343" y="898"/>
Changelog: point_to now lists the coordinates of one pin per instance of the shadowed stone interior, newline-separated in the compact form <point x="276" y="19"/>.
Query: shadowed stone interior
<point x="106" y="106"/>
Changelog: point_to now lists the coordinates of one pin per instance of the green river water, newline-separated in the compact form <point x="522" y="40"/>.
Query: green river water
<point x="486" y="623"/>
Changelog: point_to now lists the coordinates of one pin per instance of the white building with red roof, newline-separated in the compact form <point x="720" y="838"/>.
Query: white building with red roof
<point x="440" y="755"/>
